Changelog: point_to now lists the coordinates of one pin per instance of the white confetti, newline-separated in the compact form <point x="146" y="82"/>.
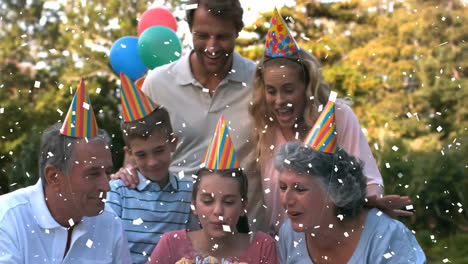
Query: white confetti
<point x="445" y="260"/>
<point x="409" y="207"/>
<point x="395" y="148"/>
<point x="181" y="174"/>
<point x="98" y="90"/>
<point x="123" y="46"/>
<point x="138" y="221"/>
<point x="267" y="190"/>
<point x="330" y="226"/>
<point x="439" y="128"/>
<point x="346" y="234"/>
<point x="327" y="47"/>
<point x="387" y="255"/>
<point x="191" y="6"/>
<point x="192" y="207"/>
<point x="89" y="243"/>
<point x="177" y="53"/>
<point x="85" y="105"/>
<point x="376" y="146"/>
<point x="296" y="243"/>
<point x="379" y="213"/>
<point x="277" y="238"/>
<point x="272" y="147"/>
<point x="320" y="108"/>
<point x="205" y="90"/>
<point x="409" y="115"/>
<point x="2" y="110"/>
<point x="287" y="161"/>
<point x="60" y="112"/>
<point x="226" y="228"/>
<point x="387" y="165"/>
<point x="37" y="84"/>
<point x="340" y="216"/>
<point x="70" y="221"/>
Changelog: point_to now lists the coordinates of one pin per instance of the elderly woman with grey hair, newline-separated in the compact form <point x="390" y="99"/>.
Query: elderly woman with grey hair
<point x="324" y="196"/>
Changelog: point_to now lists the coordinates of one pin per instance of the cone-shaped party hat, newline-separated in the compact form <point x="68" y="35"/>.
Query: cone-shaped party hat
<point x="220" y="154"/>
<point x="80" y="121"/>
<point x="135" y="103"/>
<point x="279" y="41"/>
<point x="322" y="136"/>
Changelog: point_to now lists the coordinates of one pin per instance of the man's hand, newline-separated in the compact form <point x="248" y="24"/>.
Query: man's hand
<point x="128" y="175"/>
<point x="390" y="204"/>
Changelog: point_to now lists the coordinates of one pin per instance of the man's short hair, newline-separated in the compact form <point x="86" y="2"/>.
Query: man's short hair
<point x="157" y="121"/>
<point x="225" y="9"/>
<point x="57" y="149"/>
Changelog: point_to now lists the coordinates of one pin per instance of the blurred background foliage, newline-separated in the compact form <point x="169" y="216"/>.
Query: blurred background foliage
<point x="402" y="64"/>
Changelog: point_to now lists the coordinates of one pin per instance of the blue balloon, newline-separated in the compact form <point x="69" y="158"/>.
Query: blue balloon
<point x="124" y="58"/>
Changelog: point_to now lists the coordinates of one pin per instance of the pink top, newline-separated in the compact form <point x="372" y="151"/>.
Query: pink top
<point x="350" y="137"/>
<point x="175" y="245"/>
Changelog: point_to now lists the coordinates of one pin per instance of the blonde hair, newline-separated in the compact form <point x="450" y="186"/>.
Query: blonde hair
<point x="316" y="93"/>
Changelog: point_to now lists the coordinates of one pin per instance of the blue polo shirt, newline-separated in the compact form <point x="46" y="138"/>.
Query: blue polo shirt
<point x="148" y="211"/>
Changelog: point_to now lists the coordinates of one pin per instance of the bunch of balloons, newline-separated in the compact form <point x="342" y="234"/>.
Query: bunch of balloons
<point x="156" y="45"/>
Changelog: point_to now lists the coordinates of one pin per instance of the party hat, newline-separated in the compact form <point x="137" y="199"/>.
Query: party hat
<point x="135" y="103"/>
<point x="220" y="154"/>
<point x="80" y="121"/>
<point x="279" y="41"/>
<point x="322" y="136"/>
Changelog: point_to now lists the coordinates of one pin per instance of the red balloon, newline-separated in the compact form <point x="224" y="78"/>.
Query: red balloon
<point x="157" y="17"/>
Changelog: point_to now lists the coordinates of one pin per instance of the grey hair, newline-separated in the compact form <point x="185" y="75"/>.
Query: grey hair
<point x="339" y="174"/>
<point x="57" y="149"/>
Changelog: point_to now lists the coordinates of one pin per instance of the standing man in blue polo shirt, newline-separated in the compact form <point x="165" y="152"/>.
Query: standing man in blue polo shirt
<point x="210" y="81"/>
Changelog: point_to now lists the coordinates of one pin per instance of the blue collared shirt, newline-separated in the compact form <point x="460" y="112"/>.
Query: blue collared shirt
<point x="29" y="233"/>
<point x="149" y="211"/>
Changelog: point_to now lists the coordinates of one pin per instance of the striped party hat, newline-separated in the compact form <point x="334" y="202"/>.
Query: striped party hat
<point x="322" y="136"/>
<point x="279" y="41"/>
<point x="80" y="121"/>
<point x="135" y="103"/>
<point x="220" y="154"/>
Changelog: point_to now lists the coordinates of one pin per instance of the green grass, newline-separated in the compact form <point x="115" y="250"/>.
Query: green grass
<point x="453" y="247"/>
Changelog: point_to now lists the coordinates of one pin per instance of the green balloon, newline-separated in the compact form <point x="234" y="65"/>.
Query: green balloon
<point x="158" y="45"/>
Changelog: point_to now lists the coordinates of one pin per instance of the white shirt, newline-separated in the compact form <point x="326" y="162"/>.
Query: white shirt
<point x="29" y="233"/>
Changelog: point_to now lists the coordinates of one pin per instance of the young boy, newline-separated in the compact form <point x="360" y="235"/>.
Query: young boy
<point x="161" y="201"/>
